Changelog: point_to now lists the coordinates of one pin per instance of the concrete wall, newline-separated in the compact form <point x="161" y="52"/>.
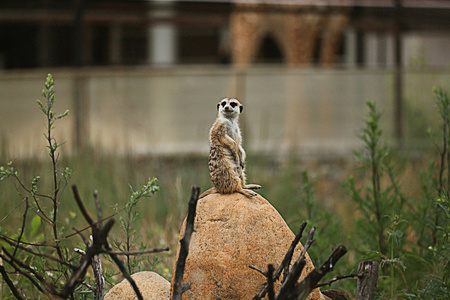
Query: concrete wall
<point x="170" y="110"/>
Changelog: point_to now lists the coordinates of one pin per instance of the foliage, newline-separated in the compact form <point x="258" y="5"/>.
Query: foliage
<point x="41" y="257"/>
<point x="128" y="217"/>
<point x="388" y="215"/>
<point x="379" y="196"/>
<point x="433" y="211"/>
<point x="326" y="223"/>
<point x="406" y="231"/>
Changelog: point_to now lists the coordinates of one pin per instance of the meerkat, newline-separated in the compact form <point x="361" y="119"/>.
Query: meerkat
<point x="226" y="156"/>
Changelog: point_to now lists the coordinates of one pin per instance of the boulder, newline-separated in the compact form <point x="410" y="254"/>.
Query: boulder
<point x="151" y="285"/>
<point x="232" y="232"/>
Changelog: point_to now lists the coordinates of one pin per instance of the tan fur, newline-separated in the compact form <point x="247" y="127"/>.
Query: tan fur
<point x="227" y="157"/>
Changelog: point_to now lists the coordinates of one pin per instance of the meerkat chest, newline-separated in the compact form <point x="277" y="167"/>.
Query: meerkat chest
<point x="234" y="132"/>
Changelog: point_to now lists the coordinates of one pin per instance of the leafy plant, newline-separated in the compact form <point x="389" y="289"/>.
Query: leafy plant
<point x="44" y="206"/>
<point x="39" y="258"/>
<point x="389" y="216"/>
<point x="128" y="217"/>
<point x="433" y="211"/>
<point x="374" y="198"/>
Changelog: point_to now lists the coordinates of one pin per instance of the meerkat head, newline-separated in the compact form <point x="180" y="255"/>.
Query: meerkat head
<point x="229" y="107"/>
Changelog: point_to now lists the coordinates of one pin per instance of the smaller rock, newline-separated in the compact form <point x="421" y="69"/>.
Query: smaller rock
<point x="151" y="285"/>
<point x="334" y="295"/>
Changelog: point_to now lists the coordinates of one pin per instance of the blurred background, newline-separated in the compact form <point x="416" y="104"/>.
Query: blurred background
<point x="141" y="80"/>
<point x="145" y="76"/>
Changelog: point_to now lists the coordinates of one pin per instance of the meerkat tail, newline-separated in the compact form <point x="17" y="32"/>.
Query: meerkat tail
<point x="210" y="191"/>
<point x="252" y="186"/>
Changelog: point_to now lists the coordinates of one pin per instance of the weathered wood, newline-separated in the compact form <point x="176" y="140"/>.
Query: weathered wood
<point x="367" y="280"/>
<point x="302" y="290"/>
<point x="178" y="287"/>
<point x="284" y="265"/>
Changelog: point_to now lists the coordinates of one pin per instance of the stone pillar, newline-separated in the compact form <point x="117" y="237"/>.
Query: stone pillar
<point x="44" y="55"/>
<point x="245" y="31"/>
<point x="115" y="44"/>
<point x="370" y="51"/>
<point x="337" y="22"/>
<point x="162" y="36"/>
<point x="350" y="48"/>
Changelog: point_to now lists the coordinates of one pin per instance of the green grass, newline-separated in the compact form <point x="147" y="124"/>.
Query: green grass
<point x="160" y="216"/>
<point x="311" y="190"/>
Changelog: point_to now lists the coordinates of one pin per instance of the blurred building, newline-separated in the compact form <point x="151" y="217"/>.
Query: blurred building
<point x="159" y="68"/>
<point x="52" y="33"/>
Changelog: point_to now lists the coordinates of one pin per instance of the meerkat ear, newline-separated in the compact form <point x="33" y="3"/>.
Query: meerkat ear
<point x="218" y="105"/>
<point x="241" y="108"/>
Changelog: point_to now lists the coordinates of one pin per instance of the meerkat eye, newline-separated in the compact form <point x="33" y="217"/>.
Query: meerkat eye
<point x="223" y="103"/>
<point x="233" y="104"/>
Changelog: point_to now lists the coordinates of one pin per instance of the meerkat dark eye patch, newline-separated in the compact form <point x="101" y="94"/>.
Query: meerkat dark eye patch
<point x="223" y="103"/>
<point x="233" y="104"/>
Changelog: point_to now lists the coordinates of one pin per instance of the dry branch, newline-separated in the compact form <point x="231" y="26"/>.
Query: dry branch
<point x="367" y="280"/>
<point x="270" y="288"/>
<point x="292" y="277"/>
<point x="290" y="288"/>
<point x="184" y="245"/>
<point x="285" y="263"/>
<point x="304" y="288"/>
<point x="10" y="284"/>
<point x="99" y="245"/>
<point x="337" y="278"/>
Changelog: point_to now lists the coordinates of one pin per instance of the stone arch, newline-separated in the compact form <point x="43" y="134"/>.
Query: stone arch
<point x="296" y="32"/>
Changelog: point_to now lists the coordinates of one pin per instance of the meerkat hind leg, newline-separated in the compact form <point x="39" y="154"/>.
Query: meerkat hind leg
<point x="248" y="186"/>
<point x="252" y="186"/>
<point x="248" y="193"/>
<point x="210" y="191"/>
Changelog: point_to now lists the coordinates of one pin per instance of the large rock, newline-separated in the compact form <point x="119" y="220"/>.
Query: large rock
<point x="232" y="232"/>
<point x="151" y="285"/>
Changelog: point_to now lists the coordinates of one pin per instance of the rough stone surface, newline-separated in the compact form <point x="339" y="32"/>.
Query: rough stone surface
<point x="232" y="232"/>
<point x="151" y="285"/>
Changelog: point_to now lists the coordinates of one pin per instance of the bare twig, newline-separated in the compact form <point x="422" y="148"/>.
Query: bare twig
<point x="337" y="278"/>
<point x="99" y="245"/>
<point x="10" y="283"/>
<point x="285" y="263"/>
<point x="126" y="274"/>
<point x="11" y="211"/>
<point x="83" y="238"/>
<point x="309" y="241"/>
<point x="4" y="237"/>
<point x="81" y="205"/>
<point x="95" y="223"/>
<point x="96" y="262"/>
<point x="271" y="291"/>
<point x="22" y="229"/>
<point x="77" y="276"/>
<point x="38" y="253"/>
<point x="304" y="288"/>
<point x="265" y="274"/>
<point x="156" y="250"/>
<point x="287" y="259"/>
<point x="184" y="244"/>
<point x="31" y="274"/>
<point x="99" y="209"/>
<point x="293" y="276"/>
